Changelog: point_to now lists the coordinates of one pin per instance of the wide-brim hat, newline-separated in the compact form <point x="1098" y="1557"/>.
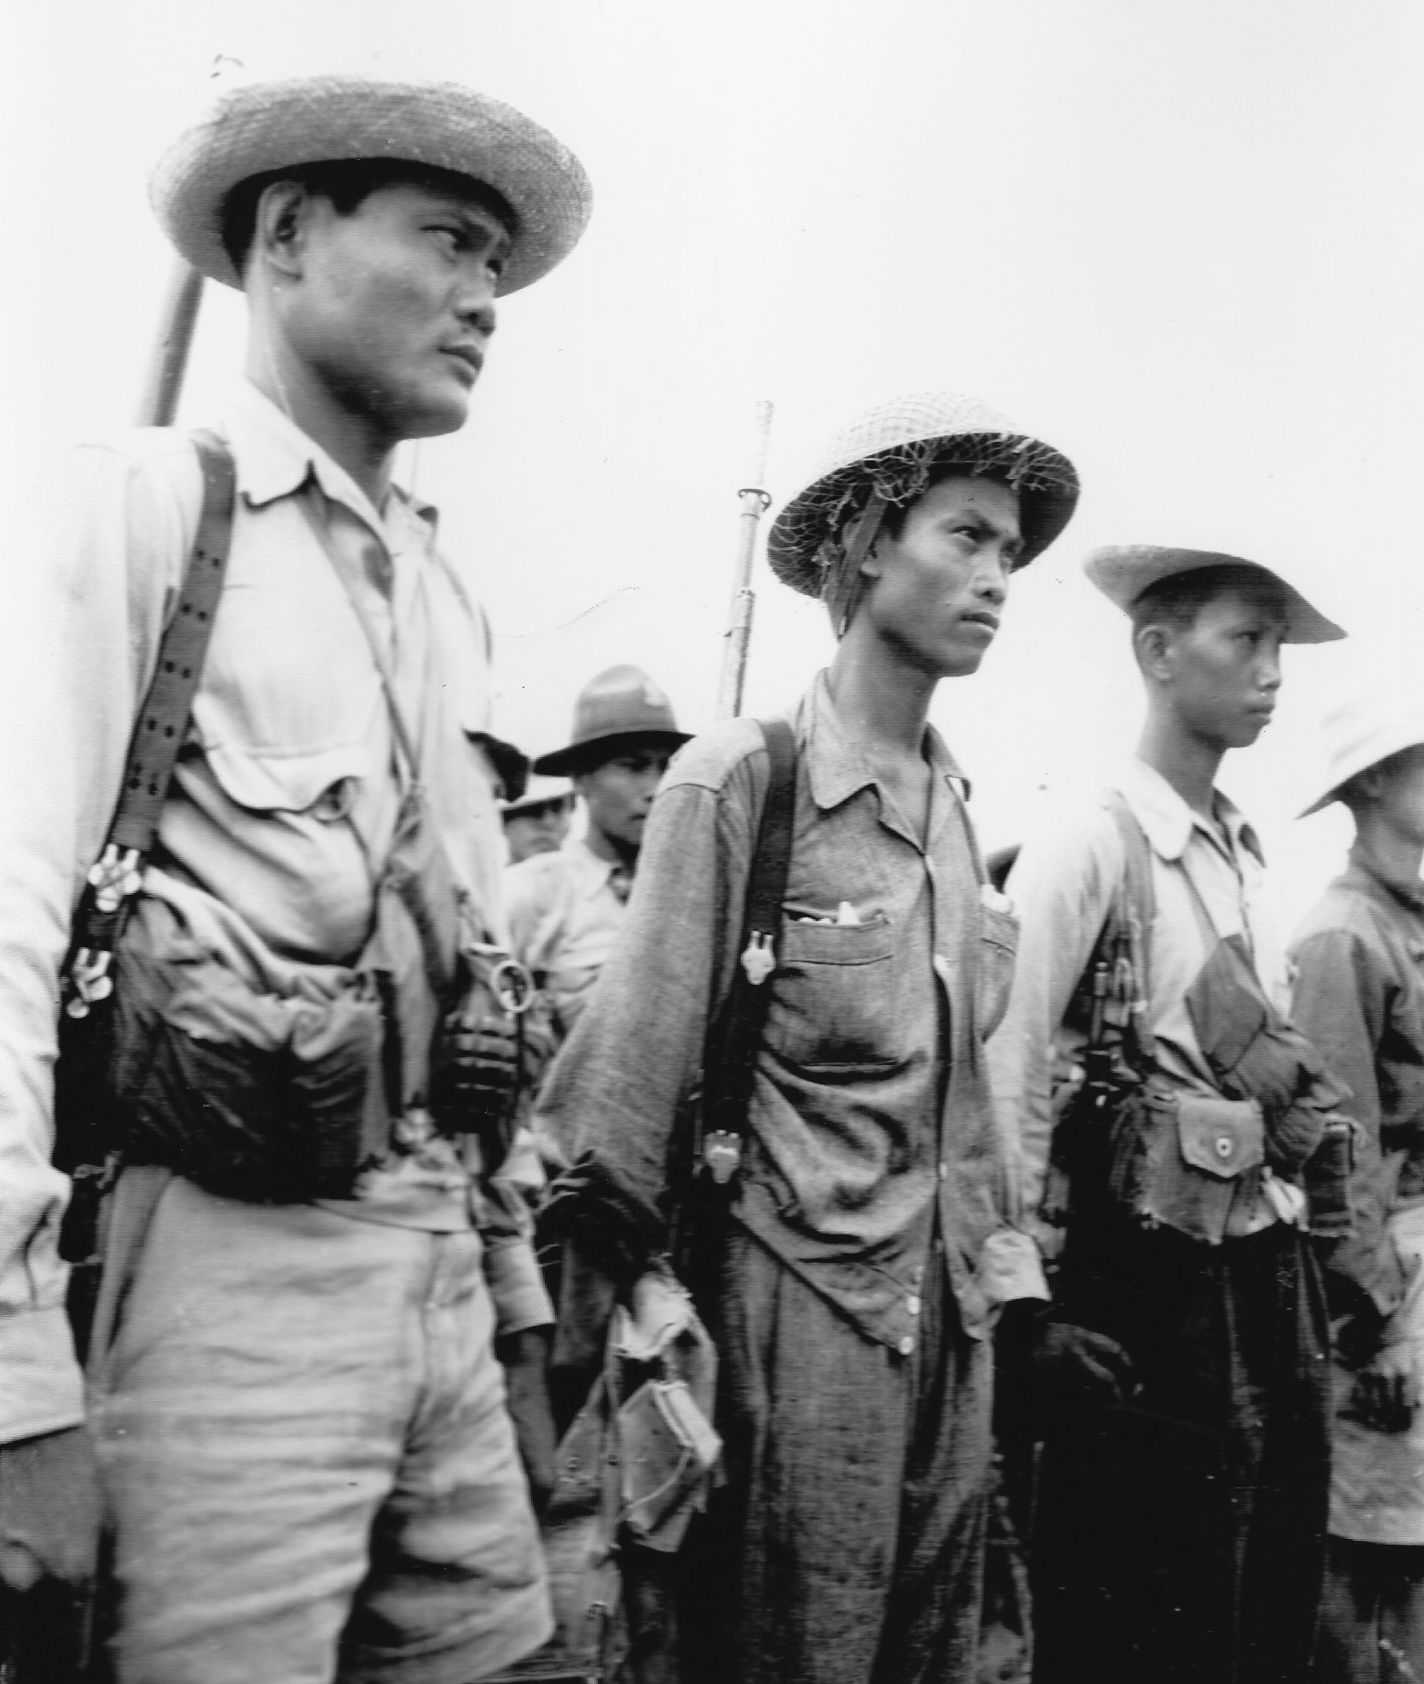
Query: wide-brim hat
<point x="1123" y="572"/>
<point x="895" y="449"/>
<point x="539" y="792"/>
<point x="261" y="126"/>
<point x="619" y="706"/>
<point x="511" y="763"/>
<point x="1358" y="733"/>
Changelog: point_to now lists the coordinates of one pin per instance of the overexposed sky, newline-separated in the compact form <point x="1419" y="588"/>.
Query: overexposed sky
<point x="1183" y="241"/>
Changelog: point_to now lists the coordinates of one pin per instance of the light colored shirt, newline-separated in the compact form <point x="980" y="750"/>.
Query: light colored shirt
<point x="869" y="1121"/>
<point x="283" y="802"/>
<point x="1359" y="995"/>
<point x="564" y="917"/>
<point x="1206" y="883"/>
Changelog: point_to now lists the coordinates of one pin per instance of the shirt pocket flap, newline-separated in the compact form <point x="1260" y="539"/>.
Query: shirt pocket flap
<point x="999" y="927"/>
<point x="1221" y="1137"/>
<point x="291" y="781"/>
<point x="804" y="943"/>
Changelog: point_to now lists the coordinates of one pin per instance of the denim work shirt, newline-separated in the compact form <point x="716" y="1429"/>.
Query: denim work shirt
<point x="283" y="801"/>
<point x="1359" y="996"/>
<point x="870" y="1109"/>
<point x="1206" y="886"/>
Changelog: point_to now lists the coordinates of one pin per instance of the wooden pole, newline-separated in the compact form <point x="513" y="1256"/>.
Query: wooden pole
<point x="754" y="504"/>
<point x="172" y="343"/>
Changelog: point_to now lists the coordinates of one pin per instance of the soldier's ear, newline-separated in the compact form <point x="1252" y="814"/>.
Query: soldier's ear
<point x="281" y="224"/>
<point x="1153" y="645"/>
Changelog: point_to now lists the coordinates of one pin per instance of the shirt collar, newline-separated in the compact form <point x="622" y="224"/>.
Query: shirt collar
<point x="593" y="870"/>
<point x="1168" y="822"/>
<point x="1409" y="893"/>
<point x="836" y="766"/>
<point x="275" y="458"/>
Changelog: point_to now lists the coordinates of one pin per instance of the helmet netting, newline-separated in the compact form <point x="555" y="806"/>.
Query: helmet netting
<point x="817" y="521"/>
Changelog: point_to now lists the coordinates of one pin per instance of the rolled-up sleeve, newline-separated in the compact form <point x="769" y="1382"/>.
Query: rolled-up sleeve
<point x="512" y="1272"/>
<point x="79" y="634"/>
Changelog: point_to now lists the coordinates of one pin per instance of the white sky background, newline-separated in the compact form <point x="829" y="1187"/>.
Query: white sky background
<point x="1182" y="241"/>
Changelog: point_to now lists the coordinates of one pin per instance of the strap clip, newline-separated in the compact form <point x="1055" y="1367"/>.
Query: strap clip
<point x="721" y="1154"/>
<point x="759" y="959"/>
<point x="114" y="877"/>
<point x="89" y="981"/>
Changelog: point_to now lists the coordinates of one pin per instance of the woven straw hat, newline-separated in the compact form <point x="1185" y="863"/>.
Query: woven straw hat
<point x="1123" y="572"/>
<point x="1358" y="733"/>
<point x="893" y="450"/>
<point x="255" y="127"/>
<point x="621" y="702"/>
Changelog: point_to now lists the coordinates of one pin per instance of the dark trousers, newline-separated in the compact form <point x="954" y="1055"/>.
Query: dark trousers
<point x="847" y="1546"/>
<point x="1180" y="1539"/>
<point x="1372" y="1623"/>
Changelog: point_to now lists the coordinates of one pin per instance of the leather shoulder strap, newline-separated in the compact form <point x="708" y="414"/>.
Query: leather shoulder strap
<point x="728" y="1077"/>
<point x="158" y="733"/>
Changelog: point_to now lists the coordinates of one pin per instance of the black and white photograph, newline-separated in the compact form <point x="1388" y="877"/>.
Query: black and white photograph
<point x="712" y="852"/>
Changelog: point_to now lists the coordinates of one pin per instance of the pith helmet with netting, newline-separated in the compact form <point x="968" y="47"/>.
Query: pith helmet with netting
<point x="892" y="452"/>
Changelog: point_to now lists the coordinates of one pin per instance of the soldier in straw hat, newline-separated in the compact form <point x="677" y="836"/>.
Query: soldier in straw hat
<point x="566" y="908"/>
<point x="866" y="1240"/>
<point x="1182" y="1483"/>
<point x="300" y="1419"/>
<point x="1359" y="994"/>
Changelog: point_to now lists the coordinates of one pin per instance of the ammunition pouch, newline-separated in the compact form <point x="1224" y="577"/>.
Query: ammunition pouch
<point x="1183" y="1159"/>
<point x="250" y="1095"/>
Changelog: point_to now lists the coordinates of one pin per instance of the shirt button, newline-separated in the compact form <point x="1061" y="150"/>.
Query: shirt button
<point x="906" y="1346"/>
<point x="912" y="1304"/>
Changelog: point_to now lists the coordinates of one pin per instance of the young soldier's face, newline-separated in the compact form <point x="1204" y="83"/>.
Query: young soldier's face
<point x="537" y="830"/>
<point x="1225" y="669"/>
<point x="395" y="305"/>
<point x="619" y="793"/>
<point x="939" y="587"/>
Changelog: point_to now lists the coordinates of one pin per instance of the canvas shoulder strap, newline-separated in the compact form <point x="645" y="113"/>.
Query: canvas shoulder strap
<point x="157" y="736"/>
<point x="731" y="1061"/>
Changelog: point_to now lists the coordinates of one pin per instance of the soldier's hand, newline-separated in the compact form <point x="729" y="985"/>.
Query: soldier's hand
<point x="1078" y="1365"/>
<point x="49" y="1510"/>
<point x="1387" y="1390"/>
<point x="1060" y="1364"/>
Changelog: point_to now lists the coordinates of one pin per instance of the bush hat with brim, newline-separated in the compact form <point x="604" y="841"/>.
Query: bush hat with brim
<point x="540" y="792"/>
<point x="893" y="451"/>
<point x="511" y="764"/>
<point x="1123" y="572"/>
<point x="1358" y="733"/>
<point x="258" y="127"/>
<point x="619" y="709"/>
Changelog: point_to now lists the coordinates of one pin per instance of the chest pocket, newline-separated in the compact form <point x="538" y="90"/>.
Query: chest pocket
<point x="834" y="999"/>
<point x="287" y="708"/>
